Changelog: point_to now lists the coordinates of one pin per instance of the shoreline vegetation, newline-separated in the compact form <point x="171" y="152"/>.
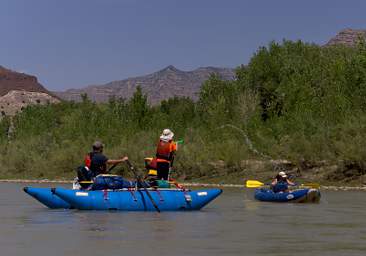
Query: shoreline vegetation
<point x="295" y="101"/>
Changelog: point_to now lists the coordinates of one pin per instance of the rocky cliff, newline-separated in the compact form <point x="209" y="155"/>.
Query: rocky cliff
<point x="15" y="100"/>
<point x="164" y="84"/>
<point x="11" y="80"/>
<point x="347" y="37"/>
<point x="18" y="90"/>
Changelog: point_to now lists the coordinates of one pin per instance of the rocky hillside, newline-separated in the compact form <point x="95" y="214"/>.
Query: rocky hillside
<point x="17" y="90"/>
<point x="16" y="100"/>
<point x="166" y="83"/>
<point x="347" y="37"/>
<point x="11" y="80"/>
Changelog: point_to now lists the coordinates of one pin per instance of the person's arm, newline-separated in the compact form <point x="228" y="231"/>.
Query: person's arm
<point x="274" y="182"/>
<point x="173" y="146"/>
<point x="117" y="161"/>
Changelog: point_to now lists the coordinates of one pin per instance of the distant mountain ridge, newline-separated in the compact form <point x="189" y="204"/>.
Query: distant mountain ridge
<point x="163" y="84"/>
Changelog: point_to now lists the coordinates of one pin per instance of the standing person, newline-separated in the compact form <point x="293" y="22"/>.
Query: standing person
<point x="281" y="183"/>
<point x="98" y="162"/>
<point x="165" y="152"/>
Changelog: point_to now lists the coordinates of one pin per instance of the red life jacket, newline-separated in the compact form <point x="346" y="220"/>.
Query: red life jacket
<point x="153" y="164"/>
<point x="87" y="159"/>
<point x="163" y="150"/>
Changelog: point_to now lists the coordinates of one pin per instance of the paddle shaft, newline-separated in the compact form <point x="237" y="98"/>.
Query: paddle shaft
<point x="112" y="167"/>
<point x="257" y="184"/>
<point x="139" y="180"/>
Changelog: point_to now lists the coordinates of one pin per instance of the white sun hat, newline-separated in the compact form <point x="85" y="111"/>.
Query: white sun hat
<point x="167" y="135"/>
<point x="282" y="174"/>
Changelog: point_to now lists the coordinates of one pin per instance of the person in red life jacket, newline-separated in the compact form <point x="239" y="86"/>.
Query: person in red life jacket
<point x="97" y="162"/>
<point x="165" y="152"/>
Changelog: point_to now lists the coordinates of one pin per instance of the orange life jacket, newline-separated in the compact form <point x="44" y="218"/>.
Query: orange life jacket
<point x="165" y="150"/>
<point x="153" y="164"/>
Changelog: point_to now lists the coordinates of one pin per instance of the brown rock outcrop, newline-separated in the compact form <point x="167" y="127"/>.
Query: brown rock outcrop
<point x="347" y="37"/>
<point x="17" y="90"/>
<point x="11" y="80"/>
<point x="15" y="100"/>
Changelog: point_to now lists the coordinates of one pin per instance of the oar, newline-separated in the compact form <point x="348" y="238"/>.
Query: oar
<point x="112" y="167"/>
<point x="257" y="184"/>
<point x="139" y="180"/>
<point x="311" y="185"/>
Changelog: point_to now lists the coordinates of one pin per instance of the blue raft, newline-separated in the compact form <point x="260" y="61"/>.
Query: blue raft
<point x="46" y="197"/>
<point x="307" y="195"/>
<point x="124" y="199"/>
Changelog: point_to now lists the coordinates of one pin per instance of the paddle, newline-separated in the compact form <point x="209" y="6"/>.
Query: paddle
<point x="311" y="185"/>
<point x="257" y="184"/>
<point x="139" y="180"/>
<point x="254" y="184"/>
<point x="112" y="167"/>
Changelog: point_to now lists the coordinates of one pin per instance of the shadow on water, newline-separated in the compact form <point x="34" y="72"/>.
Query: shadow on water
<point x="233" y="224"/>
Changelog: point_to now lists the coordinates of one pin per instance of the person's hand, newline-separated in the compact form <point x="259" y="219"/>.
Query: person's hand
<point x="124" y="159"/>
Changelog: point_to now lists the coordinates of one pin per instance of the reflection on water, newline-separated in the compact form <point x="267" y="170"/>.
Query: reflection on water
<point x="234" y="224"/>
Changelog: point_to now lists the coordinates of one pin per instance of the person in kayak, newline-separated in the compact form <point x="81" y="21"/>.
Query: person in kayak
<point x="99" y="162"/>
<point x="281" y="183"/>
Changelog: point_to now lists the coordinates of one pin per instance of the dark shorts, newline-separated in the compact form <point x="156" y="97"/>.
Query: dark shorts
<point x="163" y="170"/>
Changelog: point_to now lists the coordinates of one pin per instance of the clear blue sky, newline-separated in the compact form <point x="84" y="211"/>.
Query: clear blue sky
<point x="74" y="43"/>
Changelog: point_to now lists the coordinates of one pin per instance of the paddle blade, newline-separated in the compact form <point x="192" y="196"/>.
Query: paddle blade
<point x="311" y="185"/>
<point x="253" y="184"/>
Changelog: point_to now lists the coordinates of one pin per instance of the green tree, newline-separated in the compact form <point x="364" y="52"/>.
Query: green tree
<point x="139" y="109"/>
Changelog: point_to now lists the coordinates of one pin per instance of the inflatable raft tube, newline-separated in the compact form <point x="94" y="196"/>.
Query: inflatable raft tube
<point x="137" y="200"/>
<point x="124" y="199"/>
<point x="297" y="196"/>
<point x="47" y="197"/>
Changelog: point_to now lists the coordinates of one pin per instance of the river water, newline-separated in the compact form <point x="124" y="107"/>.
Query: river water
<point x="233" y="224"/>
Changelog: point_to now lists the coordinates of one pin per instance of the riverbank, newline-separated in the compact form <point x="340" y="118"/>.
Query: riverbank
<point x="334" y="176"/>
<point x="188" y="184"/>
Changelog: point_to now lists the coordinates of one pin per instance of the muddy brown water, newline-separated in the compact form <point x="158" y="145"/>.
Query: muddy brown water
<point x="233" y="224"/>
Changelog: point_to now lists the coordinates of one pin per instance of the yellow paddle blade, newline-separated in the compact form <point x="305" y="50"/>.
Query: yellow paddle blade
<point x="86" y="182"/>
<point x="311" y="185"/>
<point x="253" y="184"/>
